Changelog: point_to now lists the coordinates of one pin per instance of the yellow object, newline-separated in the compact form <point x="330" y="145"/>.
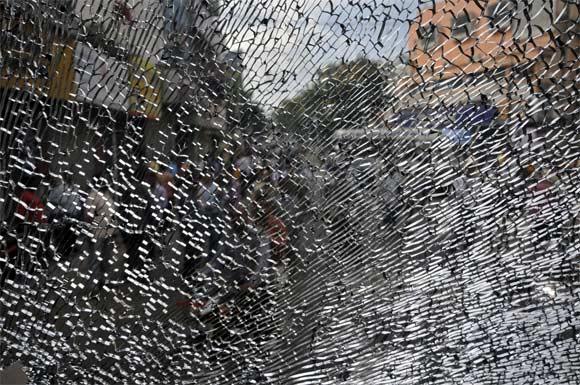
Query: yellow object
<point x="530" y="169"/>
<point x="48" y="72"/>
<point x="144" y="82"/>
<point x="501" y="158"/>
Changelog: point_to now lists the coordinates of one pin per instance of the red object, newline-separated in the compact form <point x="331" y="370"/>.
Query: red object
<point x="193" y="304"/>
<point x="123" y="9"/>
<point x="542" y="185"/>
<point x="277" y="231"/>
<point x="31" y="207"/>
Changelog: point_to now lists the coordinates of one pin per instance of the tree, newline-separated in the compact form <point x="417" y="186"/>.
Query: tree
<point x="243" y="113"/>
<point x="343" y="96"/>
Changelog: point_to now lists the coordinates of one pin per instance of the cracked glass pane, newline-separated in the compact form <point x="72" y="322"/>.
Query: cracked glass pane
<point x="289" y="192"/>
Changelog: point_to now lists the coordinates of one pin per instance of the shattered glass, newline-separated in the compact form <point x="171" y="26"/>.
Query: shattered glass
<point x="289" y="192"/>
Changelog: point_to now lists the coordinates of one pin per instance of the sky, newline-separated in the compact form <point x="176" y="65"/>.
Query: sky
<point x="285" y="42"/>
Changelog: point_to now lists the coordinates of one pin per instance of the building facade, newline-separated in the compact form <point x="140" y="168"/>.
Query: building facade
<point x="83" y="83"/>
<point x="501" y="68"/>
<point x="510" y="51"/>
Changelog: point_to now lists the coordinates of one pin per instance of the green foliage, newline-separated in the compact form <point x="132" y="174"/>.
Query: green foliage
<point x="252" y="117"/>
<point x="344" y="95"/>
<point x="214" y="7"/>
<point x="245" y="114"/>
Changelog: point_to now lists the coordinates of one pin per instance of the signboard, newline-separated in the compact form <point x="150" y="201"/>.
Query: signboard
<point x="444" y="117"/>
<point x="145" y="90"/>
<point x="29" y="61"/>
<point x="465" y="119"/>
<point x="121" y="24"/>
<point x="101" y="80"/>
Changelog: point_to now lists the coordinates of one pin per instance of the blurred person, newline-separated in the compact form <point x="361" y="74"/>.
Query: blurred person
<point x="259" y="180"/>
<point x="183" y="183"/>
<point x="245" y="161"/>
<point x="21" y="243"/>
<point x="276" y="177"/>
<point x="392" y="193"/>
<point x="306" y="171"/>
<point x="28" y="220"/>
<point x="154" y="166"/>
<point x="223" y="290"/>
<point x="546" y="181"/>
<point x="207" y="195"/>
<point x="30" y="209"/>
<point x="100" y="215"/>
<point x="191" y="223"/>
<point x="162" y="194"/>
<point x="258" y="281"/>
<point x="277" y="234"/>
<point x="215" y="165"/>
<point x="233" y="196"/>
<point x="136" y="218"/>
<point x="64" y="208"/>
<point x="8" y="255"/>
<point x="210" y="208"/>
<point x="174" y="166"/>
<point x="169" y="215"/>
<point x="235" y="188"/>
<point x="544" y="206"/>
<point x="64" y="199"/>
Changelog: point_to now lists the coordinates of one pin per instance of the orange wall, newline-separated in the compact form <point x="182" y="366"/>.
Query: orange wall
<point x="486" y="48"/>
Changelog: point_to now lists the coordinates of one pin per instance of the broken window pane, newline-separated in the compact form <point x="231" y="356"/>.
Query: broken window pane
<point x="289" y="192"/>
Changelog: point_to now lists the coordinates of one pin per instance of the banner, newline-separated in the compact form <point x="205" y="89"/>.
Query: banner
<point x="101" y="80"/>
<point x="42" y="66"/>
<point x="145" y="90"/>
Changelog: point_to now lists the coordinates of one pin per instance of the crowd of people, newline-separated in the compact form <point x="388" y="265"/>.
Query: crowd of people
<point x="222" y="222"/>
